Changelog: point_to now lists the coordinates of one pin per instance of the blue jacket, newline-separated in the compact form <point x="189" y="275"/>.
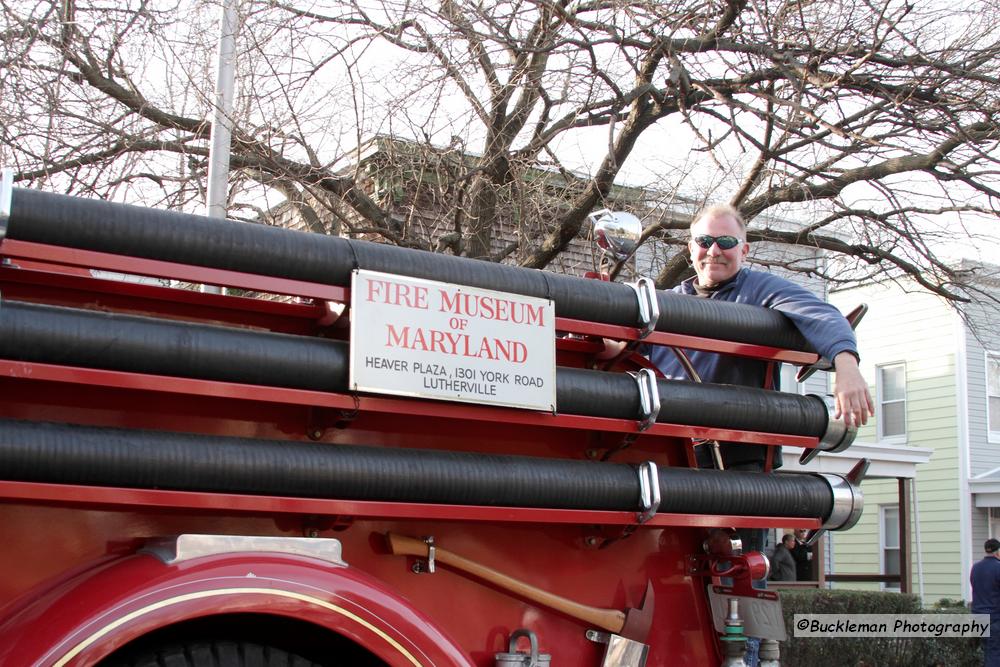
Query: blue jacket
<point x="822" y="325"/>
<point x="985" y="580"/>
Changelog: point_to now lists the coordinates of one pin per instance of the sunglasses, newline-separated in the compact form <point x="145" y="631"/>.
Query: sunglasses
<point x="725" y="242"/>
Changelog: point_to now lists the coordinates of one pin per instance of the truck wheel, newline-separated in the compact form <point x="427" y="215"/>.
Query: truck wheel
<point x="211" y="654"/>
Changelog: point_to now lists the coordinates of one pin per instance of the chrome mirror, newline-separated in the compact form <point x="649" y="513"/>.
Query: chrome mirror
<point x="616" y="233"/>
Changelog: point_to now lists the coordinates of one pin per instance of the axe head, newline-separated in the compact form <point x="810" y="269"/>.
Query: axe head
<point x="639" y="621"/>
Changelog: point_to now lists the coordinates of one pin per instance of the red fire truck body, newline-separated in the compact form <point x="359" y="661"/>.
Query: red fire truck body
<point x="106" y="564"/>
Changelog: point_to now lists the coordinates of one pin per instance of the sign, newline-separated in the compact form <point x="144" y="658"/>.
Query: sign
<point x="414" y="337"/>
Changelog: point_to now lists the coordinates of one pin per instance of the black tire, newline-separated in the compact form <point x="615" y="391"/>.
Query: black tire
<point x="211" y="654"/>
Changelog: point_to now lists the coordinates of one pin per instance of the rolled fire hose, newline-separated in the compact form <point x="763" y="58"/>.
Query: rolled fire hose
<point x="113" y="341"/>
<point x="93" y="224"/>
<point x="71" y="454"/>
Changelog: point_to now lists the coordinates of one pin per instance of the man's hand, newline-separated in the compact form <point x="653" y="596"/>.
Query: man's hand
<point x="612" y="348"/>
<point x="852" y="400"/>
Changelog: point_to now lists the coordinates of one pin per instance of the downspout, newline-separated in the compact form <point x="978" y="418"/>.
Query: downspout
<point x="964" y="472"/>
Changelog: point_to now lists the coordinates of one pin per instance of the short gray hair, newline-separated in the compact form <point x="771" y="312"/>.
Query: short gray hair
<point x="719" y="210"/>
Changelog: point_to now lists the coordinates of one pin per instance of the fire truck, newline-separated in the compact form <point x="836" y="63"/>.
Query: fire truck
<point x="361" y="454"/>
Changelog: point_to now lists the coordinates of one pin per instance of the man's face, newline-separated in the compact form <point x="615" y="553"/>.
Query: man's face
<point x="715" y="265"/>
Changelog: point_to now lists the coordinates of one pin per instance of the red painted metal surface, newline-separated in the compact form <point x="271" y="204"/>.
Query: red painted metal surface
<point x="118" y="498"/>
<point x="87" y="618"/>
<point x="85" y="291"/>
<point x="72" y="583"/>
<point x="471" y="615"/>
<point x="681" y="340"/>
<point x="74" y="257"/>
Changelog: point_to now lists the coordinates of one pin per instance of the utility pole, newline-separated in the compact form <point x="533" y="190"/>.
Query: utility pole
<point x="222" y="123"/>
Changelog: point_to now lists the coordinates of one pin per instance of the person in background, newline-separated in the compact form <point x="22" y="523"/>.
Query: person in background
<point x="782" y="563"/>
<point x="985" y="580"/>
<point x="803" y="556"/>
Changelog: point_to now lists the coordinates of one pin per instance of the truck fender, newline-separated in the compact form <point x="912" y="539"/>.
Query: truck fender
<point x="87" y="618"/>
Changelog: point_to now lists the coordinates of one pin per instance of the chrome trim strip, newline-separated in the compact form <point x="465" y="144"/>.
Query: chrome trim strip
<point x="180" y="548"/>
<point x="622" y="652"/>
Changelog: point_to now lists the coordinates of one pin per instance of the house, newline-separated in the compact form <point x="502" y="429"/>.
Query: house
<point x="935" y="372"/>
<point x="424" y="191"/>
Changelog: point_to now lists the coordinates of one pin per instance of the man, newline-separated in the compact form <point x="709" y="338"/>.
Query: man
<point x="782" y="563"/>
<point x="718" y="249"/>
<point x="985" y="580"/>
<point x="803" y="556"/>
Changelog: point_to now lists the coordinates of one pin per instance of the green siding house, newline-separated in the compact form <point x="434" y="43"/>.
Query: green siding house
<point x="935" y="376"/>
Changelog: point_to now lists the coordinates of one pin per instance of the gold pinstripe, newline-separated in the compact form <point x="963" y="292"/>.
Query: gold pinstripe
<point x="73" y="652"/>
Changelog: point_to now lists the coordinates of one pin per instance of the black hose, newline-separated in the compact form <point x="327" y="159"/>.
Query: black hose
<point x="93" y="224"/>
<point x="112" y="341"/>
<point x="69" y="454"/>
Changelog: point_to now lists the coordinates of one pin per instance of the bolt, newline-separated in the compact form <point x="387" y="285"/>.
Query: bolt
<point x="315" y="434"/>
<point x="590" y="541"/>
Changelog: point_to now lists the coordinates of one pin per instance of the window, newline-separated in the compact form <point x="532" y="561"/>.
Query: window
<point x="788" y="383"/>
<point x="892" y="401"/>
<point x="889" y="530"/>
<point x="993" y="394"/>
<point x="994" y="522"/>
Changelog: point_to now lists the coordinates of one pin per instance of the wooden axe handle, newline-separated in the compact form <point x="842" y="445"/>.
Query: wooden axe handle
<point x="611" y="620"/>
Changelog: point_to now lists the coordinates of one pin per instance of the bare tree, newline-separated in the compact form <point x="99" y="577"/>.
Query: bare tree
<point x="874" y="124"/>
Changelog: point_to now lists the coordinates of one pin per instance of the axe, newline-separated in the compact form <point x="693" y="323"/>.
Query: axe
<point x="632" y="624"/>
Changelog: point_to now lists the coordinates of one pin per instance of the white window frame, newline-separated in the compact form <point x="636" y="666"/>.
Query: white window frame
<point x="992" y="430"/>
<point x="993" y="521"/>
<point x="880" y="422"/>
<point x="882" y="533"/>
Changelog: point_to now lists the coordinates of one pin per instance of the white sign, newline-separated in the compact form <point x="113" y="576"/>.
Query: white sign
<point x="761" y="615"/>
<point x="414" y="337"/>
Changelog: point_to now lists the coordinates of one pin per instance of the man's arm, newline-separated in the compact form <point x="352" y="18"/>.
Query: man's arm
<point x="831" y="335"/>
<point x="851" y="398"/>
